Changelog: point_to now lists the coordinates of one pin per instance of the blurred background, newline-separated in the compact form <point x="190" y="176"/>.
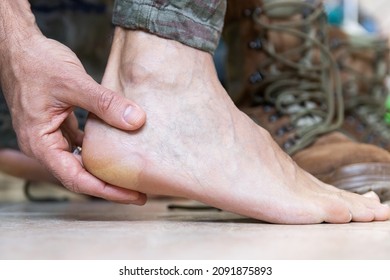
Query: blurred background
<point x="358" y="16"/>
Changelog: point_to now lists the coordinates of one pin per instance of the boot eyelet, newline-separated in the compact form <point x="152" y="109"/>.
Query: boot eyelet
<point x="360" y="127"/>
<point x="273" y="118"/>
<point x="281" y="131"/>
<point x="256" y="77"/>
<point x="257" y="11"/>
<point x="267" y="108"/>
<point x="247" y="12"/>
<point x="288" y="144"/>
<point x="255" y="44"/>
<point x="289" y="127"/>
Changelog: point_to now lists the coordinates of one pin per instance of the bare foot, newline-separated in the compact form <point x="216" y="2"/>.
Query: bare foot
<point x="197" y="144"/>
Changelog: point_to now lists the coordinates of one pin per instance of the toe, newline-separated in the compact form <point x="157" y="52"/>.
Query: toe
<point x="372" y="195"/>
<point x="382" y="212"/>
<point x="366" y="208"/>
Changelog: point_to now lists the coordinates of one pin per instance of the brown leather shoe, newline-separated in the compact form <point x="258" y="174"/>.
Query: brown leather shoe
<point x="363" y="63"/>
<point x="282" y="74"/>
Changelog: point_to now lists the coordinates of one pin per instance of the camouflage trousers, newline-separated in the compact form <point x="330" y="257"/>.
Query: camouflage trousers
<point x="86" y="27"/>
<point x="196" y="23"/>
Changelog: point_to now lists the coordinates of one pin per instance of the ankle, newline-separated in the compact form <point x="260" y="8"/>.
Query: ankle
<point x="141" y="58"/>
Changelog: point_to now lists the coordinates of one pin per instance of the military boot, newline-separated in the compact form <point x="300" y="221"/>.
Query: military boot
<point x="281" y="72"/>
<point x="363" y="63"/>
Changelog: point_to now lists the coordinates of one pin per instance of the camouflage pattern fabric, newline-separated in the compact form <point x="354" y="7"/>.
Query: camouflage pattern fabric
<point x="196" y="23"/>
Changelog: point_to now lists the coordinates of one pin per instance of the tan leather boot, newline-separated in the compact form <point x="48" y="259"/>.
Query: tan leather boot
<point x="364" y="65"/>
<point x="282" y="74"/>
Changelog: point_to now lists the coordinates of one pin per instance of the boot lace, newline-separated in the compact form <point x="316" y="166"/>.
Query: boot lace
<point x="302" y="81"/>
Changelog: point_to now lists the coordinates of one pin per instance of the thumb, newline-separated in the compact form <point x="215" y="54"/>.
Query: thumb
<point x="111" y="107"/>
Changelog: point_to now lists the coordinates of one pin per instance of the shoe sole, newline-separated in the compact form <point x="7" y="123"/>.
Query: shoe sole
<point x="361" y="178"/>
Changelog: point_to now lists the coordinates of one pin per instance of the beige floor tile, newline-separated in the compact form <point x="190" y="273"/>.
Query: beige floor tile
<point x="103" y="230"/>
<point x="12" y="190"/>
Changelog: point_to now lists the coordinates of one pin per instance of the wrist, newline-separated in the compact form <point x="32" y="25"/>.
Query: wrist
<point x="17" y="23"/>
<point x="17" y="29"/>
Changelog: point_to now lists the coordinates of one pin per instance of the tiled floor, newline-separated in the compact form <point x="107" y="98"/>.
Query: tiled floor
<point x="102" y="230"/>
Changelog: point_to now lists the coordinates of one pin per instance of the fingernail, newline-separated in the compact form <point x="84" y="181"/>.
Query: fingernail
<point x="132" y="115"/>
<point x="133" y="196"/>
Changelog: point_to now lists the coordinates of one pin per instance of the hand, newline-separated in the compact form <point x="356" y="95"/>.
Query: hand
<point x="43" y="81"/>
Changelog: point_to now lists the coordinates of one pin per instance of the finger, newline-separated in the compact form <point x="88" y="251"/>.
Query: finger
<point x="109" y="106"/>
<point x="68" y="169"/>
<point x="71" y="131"/>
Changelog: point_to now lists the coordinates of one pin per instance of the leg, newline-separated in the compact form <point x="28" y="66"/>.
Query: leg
<point x="197" y="144"/>
<point x="15" y="163"/>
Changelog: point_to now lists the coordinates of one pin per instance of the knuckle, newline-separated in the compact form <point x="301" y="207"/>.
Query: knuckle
<point x="71" y="185"/>
<point x="70" y="179"/>
<point x="105" y="101"/>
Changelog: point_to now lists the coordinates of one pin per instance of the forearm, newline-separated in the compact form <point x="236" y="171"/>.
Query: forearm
<point x="17" y="27"/>
<point x="17" y="23"/>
